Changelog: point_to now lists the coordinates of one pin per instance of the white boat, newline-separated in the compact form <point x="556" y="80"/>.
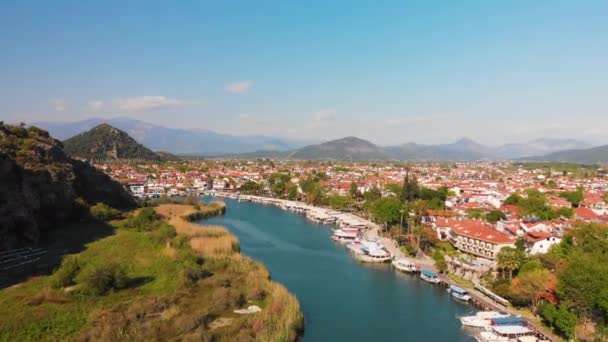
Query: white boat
<point x="481" y="319"/>
<point x="459" y="293"/>
<point x="429" y="276"/>
<point x="369" y="251"/>
<point x="344" y="236"/>
<point x="504" y="333"/>
<point x="405" y="265"/>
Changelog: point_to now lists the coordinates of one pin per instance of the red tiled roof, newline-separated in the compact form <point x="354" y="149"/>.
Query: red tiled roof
<point x="478" y="230"/>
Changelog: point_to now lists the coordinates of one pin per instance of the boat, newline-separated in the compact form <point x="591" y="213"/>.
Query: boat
<point x="429" y="276"/>
<point x="509" y="320"/>
<point x="405" y="265"/>
<point x="481" y="319"/>
<point x="369" y="251"/>
<point x="344" y="236"/>
<point x="459" y="293"/>
<point x="504" y="333"/>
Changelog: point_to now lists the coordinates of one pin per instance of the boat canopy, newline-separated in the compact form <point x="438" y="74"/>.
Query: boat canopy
<point x="458" y="289"/>
<point x="512" y="330"/>
<point x="428" y="273"/>
<point x="507" y="321"/>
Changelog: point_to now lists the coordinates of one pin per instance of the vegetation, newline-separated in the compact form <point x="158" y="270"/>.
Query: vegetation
<point x="567" y="286"/>
<point x="105" y="142"/>
<point x="104" y="212"/>
<point x="133" y="286"/>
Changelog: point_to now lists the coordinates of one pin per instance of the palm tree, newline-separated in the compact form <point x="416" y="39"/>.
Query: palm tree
<point x="509" y="259"/>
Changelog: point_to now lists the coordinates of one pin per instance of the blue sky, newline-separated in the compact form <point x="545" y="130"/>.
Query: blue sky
<point x="388" y="71"/>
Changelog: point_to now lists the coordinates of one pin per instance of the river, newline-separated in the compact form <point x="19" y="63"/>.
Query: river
<point x="342" y="299"/>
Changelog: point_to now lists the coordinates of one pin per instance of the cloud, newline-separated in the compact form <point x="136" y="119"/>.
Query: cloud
<point x="58" y="104"/>
<point x="95" y="105"/>
<point x="239" y="87"/>
<point x="143" y="103"/>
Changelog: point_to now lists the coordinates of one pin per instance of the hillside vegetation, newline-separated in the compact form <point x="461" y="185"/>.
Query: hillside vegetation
<point x="104" y="142"/>
<point x="153" y="281"/>
<point x="42" y="188"/>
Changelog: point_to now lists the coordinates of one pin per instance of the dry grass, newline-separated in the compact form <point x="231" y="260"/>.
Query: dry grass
<point x="208" y="240"/>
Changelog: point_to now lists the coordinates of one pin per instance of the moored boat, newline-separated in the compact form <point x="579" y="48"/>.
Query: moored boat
<point x="504" y="333"/>
<point x="429" y="276"/>
<point x="481" y="319"/>
<point x="459" y="293"/>
<point x="405" y="265"/>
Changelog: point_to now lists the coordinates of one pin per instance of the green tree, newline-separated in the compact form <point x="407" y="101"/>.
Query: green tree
<point x="513" y="199"/>
<point x="574" y="197"/>
<point x="495" y="216"/>
<point x="475" y="213"/>
<point x="509" y="259"/>
<point x="410" y="189"/>
<point x="354" y="190"/>
<point x="386" y="210"/>
<point x="372" y="194"/>
<point x="338" y="202"/>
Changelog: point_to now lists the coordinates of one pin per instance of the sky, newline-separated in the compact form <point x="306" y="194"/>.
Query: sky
<point x="388" y="71"/>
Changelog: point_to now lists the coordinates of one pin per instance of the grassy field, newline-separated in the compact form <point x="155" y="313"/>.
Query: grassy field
<point x="184" y="286"/>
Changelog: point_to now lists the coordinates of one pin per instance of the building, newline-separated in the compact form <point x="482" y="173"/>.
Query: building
<point x="477" y="238"/>
<point x="539" y="242"/>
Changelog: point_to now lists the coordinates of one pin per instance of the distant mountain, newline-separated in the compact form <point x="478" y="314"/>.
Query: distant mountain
<point x="538" y="147"/>
<point x="349" y="148"/>
<point x="174" y="140"/>
<point x="104" y="142"/>
<point x="594" y="155"/>
<point x="462" y="150"/>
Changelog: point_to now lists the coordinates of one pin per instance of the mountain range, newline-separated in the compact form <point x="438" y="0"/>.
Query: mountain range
<point x="178" y="141"/>
<point x="201" y="142"/>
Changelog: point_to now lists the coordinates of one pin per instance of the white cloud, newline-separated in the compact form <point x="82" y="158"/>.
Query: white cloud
<point x="239" y="87"/>
<point x="58" y="104"/>
<point x="143" y="103"/>
<point x="95" y="105"/>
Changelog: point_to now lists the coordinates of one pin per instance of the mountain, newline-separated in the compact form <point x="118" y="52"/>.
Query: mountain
<point x="104" y="142"/>
<point x="174" y="140"/>
<point x="538" y="147"/>
<point x="594" y="155"/>
<point x="349" y="148"/>
<point x="42" y="188"/>
<point x="462" y="150"/>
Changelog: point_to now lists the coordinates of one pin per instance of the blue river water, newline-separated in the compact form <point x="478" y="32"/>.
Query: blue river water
<point x="342" y="299"/>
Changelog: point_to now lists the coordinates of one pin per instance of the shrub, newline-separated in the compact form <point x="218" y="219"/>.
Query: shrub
<point x="104" y="212"/>
<point x="164" y="233"/>
<point x="100" y="279"/>
<point x="146" y="220"/>
<point x="66" y="273"/>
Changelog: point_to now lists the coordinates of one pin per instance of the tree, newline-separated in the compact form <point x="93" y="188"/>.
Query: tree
<point x="440" y="262"/>
<point x="495" y="216"/>
<point x="509" y="259"/>
<point x="574" y="197"/>
<point x="513" y="199"/>
<point x="562" y="320"/>
<point x="394" y="188"/>
<point x="372" y="194"/>
<point x="531" y="286"/>
<point x="475" y="213"/>
<point x="339" y="202"/>
<point x="354" y="190"/>
<point x="410" y="190"/>
<point x="386" y="210"/>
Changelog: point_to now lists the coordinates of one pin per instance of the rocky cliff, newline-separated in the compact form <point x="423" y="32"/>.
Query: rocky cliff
<point x="41" y="188"/>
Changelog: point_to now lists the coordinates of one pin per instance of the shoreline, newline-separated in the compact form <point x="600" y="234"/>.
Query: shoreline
<point x="317" y="215"/>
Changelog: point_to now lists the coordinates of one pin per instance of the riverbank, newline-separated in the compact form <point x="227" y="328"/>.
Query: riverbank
<point x="372" y="231"/>
<point x="167" y="278"/>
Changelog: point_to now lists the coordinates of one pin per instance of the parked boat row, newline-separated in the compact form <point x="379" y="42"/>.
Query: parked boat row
<point x="499" y="327"/>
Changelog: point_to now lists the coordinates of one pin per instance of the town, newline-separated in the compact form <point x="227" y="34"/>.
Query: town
<point x="488" y="227"/>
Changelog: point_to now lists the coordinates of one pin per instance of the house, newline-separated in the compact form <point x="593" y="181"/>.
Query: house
<point x="477" y="238"/>
<point x="539" y="242"/>
<point x="586" y="214"/>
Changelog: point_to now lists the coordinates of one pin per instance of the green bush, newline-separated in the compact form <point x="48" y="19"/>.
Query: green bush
<point x="100" y="279"/>
<point x="104" y="212"/>
<point x="146" y="220"/>
<point x="164" y="233"/>
<point x="66" y="273"/>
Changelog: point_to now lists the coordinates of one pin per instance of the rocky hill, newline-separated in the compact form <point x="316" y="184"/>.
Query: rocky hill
<point x="104" y="142"/>
<point x="41" y="187"/>
<point x="349" y="148"/>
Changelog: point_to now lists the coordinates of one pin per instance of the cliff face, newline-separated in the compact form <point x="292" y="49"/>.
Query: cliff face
<point x="40" y="187"/>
